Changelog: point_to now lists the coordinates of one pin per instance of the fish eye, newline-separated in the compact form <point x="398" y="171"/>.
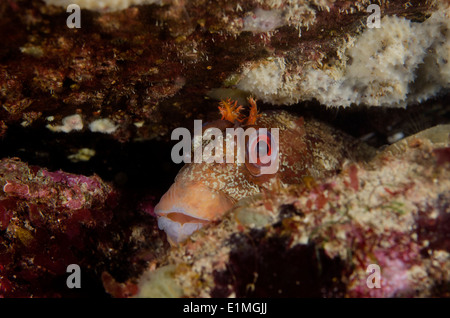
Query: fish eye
<point x="260" y="151"/>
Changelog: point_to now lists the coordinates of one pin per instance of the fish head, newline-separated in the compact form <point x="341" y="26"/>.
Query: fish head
<point x="204" y="191"/>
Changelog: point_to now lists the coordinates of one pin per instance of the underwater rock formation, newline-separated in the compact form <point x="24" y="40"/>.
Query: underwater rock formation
<point x="400" y="63"/>
<point x="109" y="5"/>
<point x="319" y="240"/>
<point x="49" y="220"/>
<point x="75" y="101"/>
<point x="134" y="67"/>
<point x="45" y="218"/>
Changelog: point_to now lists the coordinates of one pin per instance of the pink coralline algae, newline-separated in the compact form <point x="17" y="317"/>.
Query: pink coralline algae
<point x="321" y="239"/>
<point x="104" y="99"/>
<point x="45" y="219"/>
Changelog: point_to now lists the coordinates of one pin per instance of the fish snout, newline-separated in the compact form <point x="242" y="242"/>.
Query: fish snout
<point x="185" y="208"/>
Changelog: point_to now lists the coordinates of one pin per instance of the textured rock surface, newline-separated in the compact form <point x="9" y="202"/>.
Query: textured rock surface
<point x="86" y="116"/>
<point x="136" y="66"/>
<point x="319" y="240"/>
<point x="400" y="63"/>
<point x="109" y="5"/>
<point x="49" y="220"/>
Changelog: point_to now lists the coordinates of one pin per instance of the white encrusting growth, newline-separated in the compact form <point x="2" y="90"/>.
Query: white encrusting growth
<point x="402" y="62"/>
<point x="83" y="154"/>
<point x="263" y="20"/>
<point x="108" y="5"/>
<point x="103" y="125"/>
<point x="69" y="123"/>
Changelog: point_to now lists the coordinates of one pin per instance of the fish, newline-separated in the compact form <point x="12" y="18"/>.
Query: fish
<point x="203" y="192"/>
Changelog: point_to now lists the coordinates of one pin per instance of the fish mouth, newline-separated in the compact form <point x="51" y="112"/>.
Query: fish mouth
<point x="185" y="208"/>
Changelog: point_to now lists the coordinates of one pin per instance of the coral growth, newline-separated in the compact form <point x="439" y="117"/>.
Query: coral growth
<point x="104" y="98"/>
<point x="137" y="65"/>
<point x="45" y="220"/>
<point x="108" y="5"/>
<point x="401" y="62"/>
<point x="318" y="240"/>
<point x="49" y="220"/>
